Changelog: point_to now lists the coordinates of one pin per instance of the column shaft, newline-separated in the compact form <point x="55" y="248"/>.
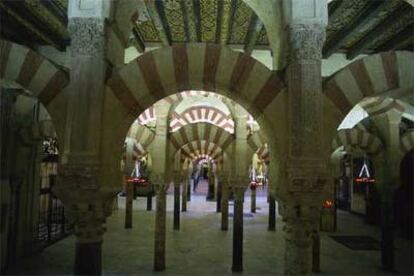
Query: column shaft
<point x="237" y="265"/>
<point x="272" y="213"/>
<point x="184" y="198"/>
<point x="176" y="206"/>
<point x="129" y="205"/>
<point x="218" y="199"/>
<point x="225" y="207"/>
<point x="88" y="258"/>
<point x="253" y="200"/>
<point x="316" y="246"/>
<point x="149" y="202"/>
<point x="160" y="232"/>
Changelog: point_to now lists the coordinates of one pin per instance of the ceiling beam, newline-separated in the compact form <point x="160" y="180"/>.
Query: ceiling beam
<point x="197" y="17"/>
<point x="255" y="27"/>
<point x="184" y="11"/>
<point x="395" y="22"/>
<point x="160" y="22"/>
<point x="356" y="26"/>
<point x="42" y="36"/>
<point x="233" y="9"/>
<point x="138" y="42"/>
<point x="399" y="41"/>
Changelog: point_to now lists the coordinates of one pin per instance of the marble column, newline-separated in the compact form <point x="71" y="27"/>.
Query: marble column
<point x="387" y="235"/>
<point x="149" y="202"/>
<point x="160" y="224"/>
<point x="176" y="205"/>
<point x="305" y="169"/>
<point x="129" y="205"/>
<point x="224" y="203"/>
<point x="237" y="263"/>
<point x="272" y="213"/>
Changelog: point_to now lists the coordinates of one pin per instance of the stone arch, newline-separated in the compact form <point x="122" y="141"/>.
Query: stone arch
<point x="357" y="137"/>
<point x="369" y="76"/>
<point x="201" y="131"/>
<point x="35" y="73"/>
<point x="182" y="67"/>
<point x="198" y="148"/>
<point x="199" y="114"/>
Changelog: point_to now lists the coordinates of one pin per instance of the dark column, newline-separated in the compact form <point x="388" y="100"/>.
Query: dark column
<point x="272" y="213"/>
<point x="88" y="258"/>
<point x="188" y="183"/>
<point x="128" y="205"/>
<point x="387" y="236"/>
<point x="224" y="206"/>
<point x="316" y="246"/>
<point x="160" y="223"/>
<point x="149" y="202"/>
<point x="237" y="265"/>
<point x="253" y="199"/>
<point x="218" y="203"/>
<point x="176" y="206"/>
<point x="184" y="197"/>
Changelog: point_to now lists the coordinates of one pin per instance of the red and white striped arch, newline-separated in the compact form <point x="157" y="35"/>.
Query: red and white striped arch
<point x="200" y="132"/>
<point x="357" y="138"/>
<point x="370" y="76"/>
<point x="31" y="71"/>
<point x="201" y="114"/>
<point x="195" y="66"/>
<point x="258" y="143"/>
<point x="202" y="149"/>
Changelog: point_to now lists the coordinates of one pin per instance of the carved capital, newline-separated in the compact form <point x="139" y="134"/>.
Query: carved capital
<point x="306" y="42"/>
<point x="307" y="175"/>
<point x="89" y="221"/>
<point x="87" y="36"/>
<point x="79" y="176"/>
<point x="159" y="183"/>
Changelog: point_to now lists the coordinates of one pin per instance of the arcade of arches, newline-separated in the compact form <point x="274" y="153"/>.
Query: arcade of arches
<point x="280" y="130"/>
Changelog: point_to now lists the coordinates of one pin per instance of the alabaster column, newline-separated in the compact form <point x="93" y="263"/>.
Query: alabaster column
<point x="239" y="188"/>
<point x="129" y="205"/>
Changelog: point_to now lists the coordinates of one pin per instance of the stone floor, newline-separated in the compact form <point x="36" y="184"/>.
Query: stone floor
<point x="200" y="248"/>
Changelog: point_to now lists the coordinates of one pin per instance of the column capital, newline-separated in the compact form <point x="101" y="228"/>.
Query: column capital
<point x="159" y="183"/>
<point x="89" y="220"/>
<point x="306" y="42"/>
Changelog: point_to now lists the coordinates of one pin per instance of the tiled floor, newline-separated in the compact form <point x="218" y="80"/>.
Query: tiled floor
<point x="200" y="248"/>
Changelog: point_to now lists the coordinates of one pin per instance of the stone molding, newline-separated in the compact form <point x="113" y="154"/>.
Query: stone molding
<point x="89" y="222"/>
<point x="305" y="175"/>
<point x="87" y="36"/>
<point x="306" y="42"/>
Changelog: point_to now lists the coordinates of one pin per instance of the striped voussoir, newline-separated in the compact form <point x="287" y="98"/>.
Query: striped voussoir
<point x="407" y="141"/>
<point x="142" y="134"/>
<point x="202" y="149"/>
<point x="370" y="76"/>
<point x="357" y="138"/>
<point x="31" y="71"/>
<point x="200" y="131"/>
<point x="195" y="66"/>
<point x="258" y="143"/>
<point x="198" y="114"/>
<point x="147" y="116"/>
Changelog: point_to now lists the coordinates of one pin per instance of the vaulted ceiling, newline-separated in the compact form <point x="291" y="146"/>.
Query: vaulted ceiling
<point x="355" y="26"/>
